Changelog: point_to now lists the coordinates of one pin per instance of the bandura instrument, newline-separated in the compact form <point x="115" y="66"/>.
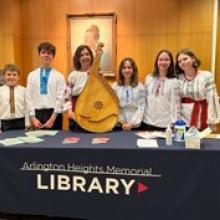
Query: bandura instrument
<point x="97" y="107"/>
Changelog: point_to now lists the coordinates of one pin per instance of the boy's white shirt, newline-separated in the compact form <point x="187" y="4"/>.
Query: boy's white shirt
<point x="20" y="104"/>
<point x="54" y="97"/>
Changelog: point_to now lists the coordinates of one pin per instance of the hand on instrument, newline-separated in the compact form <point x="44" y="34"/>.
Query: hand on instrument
<point x="127" y="126"/>
<point x="71" y="114"/>
<point x="213" y="127"/>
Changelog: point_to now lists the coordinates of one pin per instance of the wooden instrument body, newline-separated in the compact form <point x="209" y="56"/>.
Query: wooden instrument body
<point x="97" y="107"/>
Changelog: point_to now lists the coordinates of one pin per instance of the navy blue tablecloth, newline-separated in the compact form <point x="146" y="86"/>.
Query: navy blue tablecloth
<point x="116" y="180"/>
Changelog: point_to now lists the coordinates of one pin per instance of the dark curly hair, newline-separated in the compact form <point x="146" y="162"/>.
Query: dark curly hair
<point x="77" y="55"/>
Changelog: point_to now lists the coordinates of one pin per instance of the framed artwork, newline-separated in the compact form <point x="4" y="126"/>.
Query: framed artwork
<point x="90" y="29"/>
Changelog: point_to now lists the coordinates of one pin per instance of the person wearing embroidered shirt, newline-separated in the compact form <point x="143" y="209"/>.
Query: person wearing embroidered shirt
<point x="130" y="93"/>
<point x="45" y="90"/>
<point x="76" y="81"/>
<point x="12" y="101"/>
<point x="162" y="94"/>
<point x="2" y="80"/>
<point x="199" y="99"/>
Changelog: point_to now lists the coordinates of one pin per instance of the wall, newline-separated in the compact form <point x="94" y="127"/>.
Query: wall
<point x="143" y="28"/>
<point x="6" y="36"/>
<point x="10" y="34"/>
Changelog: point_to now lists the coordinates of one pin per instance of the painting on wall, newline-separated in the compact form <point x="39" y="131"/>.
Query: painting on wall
<point x="91" y="29"/>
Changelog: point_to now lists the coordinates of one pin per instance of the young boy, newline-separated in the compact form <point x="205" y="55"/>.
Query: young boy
<point x="45" y="91"/>
<point x="12" y="100"/>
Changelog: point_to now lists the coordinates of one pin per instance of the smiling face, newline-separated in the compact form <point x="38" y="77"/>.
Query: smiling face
<point x="46" y="57"/>
<point x="163" y="62"/>
<point x="185" y="62"/>
<point x="127" y="70"/>
<point x="85" y="59"/>
<point x="11" y="78"/>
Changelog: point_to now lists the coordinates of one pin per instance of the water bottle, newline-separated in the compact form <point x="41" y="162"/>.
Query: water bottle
<point x="179" y="130"/>
<point x="169" y="136"/>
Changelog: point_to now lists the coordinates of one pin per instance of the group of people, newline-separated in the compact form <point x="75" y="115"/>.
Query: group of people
<point x="172" y="91"/>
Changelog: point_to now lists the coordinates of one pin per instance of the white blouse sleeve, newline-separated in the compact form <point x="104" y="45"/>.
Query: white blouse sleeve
<point x="149" y="78"/>
<point x="61" y="84"/>
<point x="121" y="117"/>
<point x="68" y="93"/>
<point x="26" y="114"/>
<point x="138" y="115"/>
<point x="29" y="95"/>
<point x="212" y="99"/>
<point x="174" y="99"/>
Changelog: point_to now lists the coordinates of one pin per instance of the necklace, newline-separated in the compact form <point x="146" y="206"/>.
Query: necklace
<point x="190" y="78"/>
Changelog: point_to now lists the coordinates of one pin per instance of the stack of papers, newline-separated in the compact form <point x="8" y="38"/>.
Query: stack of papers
<point x="150" y="134"/>
<point x="30" y="139"/>
<point x="147" y="143"/>
<point x="41" y="133"/>
<point x="213" y="136"/>
<point x="11" y="141"/>
<point x="207" y="131"/>
<point x="20" y="140"/>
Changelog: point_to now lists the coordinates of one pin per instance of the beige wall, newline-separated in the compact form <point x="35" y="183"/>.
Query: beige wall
<point x="143" y="28"/>
<point x="6" y="33"/>
<point x="10" y="34"/>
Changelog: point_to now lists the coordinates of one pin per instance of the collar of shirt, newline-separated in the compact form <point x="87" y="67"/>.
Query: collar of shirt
<point x="45" y="71"/>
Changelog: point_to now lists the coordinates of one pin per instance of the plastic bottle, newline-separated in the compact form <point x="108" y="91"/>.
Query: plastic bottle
<point x="194" y="131"/>
<point x="192" y="139"/>
<point x="169" y="136"/>
<point x="179" y="130"/>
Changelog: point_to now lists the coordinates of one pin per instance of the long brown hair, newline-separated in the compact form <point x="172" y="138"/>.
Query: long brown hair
<point x="134" y="76"/>
<point x="196" y="63"/>
<point x="170" y="71"/>
<point x="77" y="55"/>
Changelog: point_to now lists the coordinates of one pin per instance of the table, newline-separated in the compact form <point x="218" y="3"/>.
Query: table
<point x="116" y="181"/>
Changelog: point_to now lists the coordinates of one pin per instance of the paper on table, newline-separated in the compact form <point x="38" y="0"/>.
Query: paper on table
<point x="147" y="143"/>
<point x="11" y="141"/>
<point x="100" y="140"/>
<point x="71" y="140"/>
<point x="213" y="136"/>
<point x="150" y="134"/>
<point x="30" y="139"/>
<point x="205" y="132"/>
<point x="41" y="133"/>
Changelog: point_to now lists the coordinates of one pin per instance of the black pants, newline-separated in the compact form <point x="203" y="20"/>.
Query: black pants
<point x="151" y="127"/>
<point x="119" y="128"/>
<point x="44" y="114"/>
<point x="73" y="126"/>
<point x="13" y="124"/>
